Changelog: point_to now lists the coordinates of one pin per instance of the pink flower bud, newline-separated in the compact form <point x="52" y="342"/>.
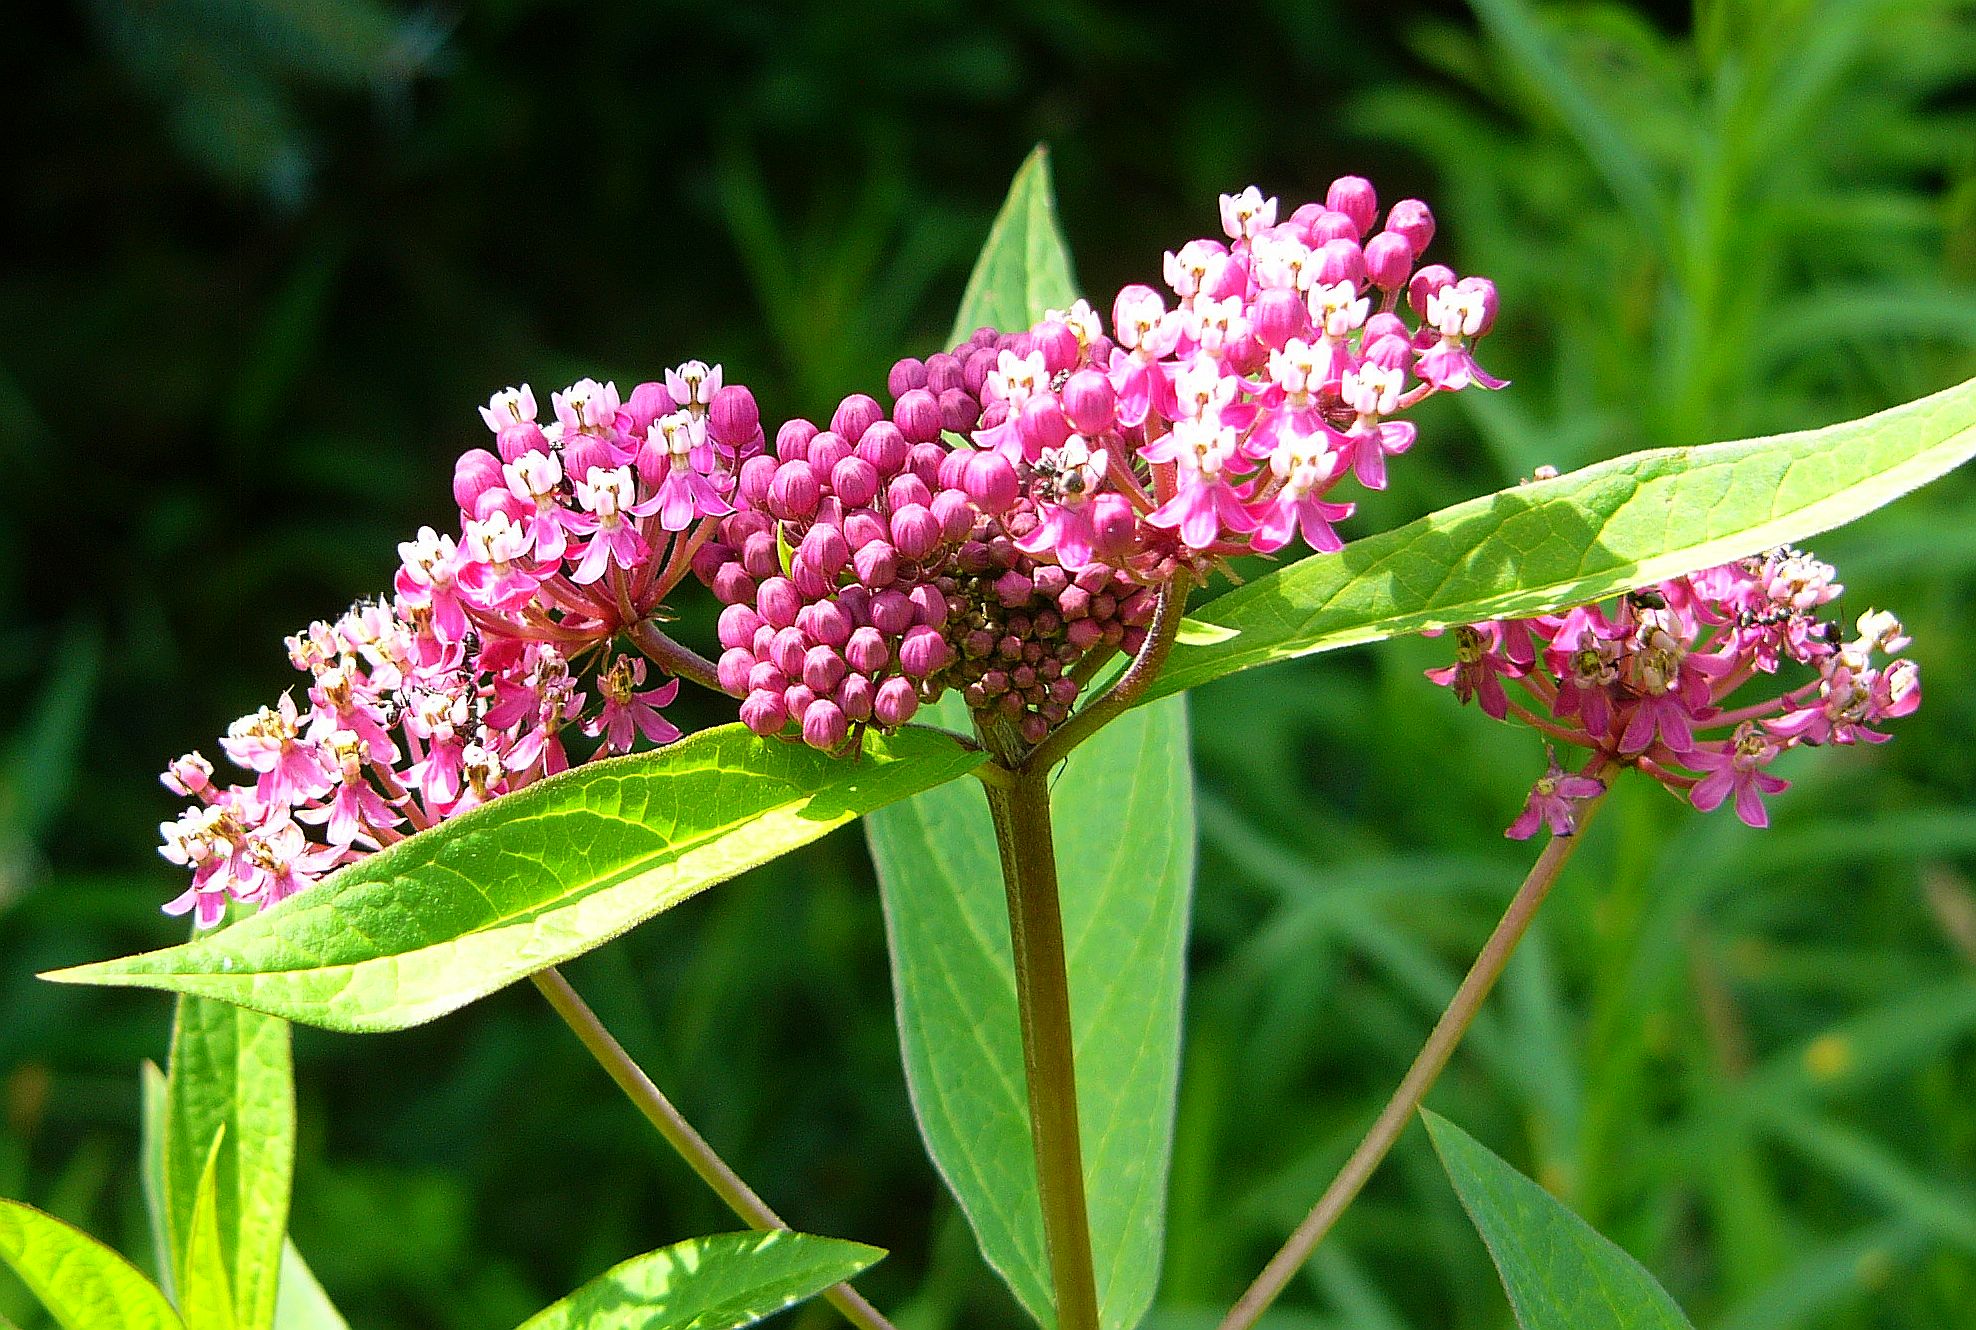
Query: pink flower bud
<point x="826" y="548"/>
<point x="853" y="697"/>
<point x="943" y="373"/>
<point x="891" y="612"/>
<point x="758" y="648"/>
<point x="1353" y="195"/>
<point x="1386" y="325"/>
<point x="648" y="401"/>
<point x="1280" y="315"/>
<point x="906" y="375"/>
<point x="924" y="461"/>
<point x="474" y="474"/>
<point x="1487" y="289"/>
<point x="822" y="669"/>
<point x="958" y="412"/>
<point x="866" y="651"/>
<point x="824" y="726"/>
<point x="764" y="713"/>
<point x="922" y="652"/>
<point x="1041" y="424"/>
<point x="885" y="447"/>
<point x="759" y="557"/>
<point x="1387" y="352"/>
<point x="733" y="585"/>
<point x="1090" y="402"/>
<point x="737" y="625"/>
<point x="794" y="493"/>
<point x="810" y="582"/>
<point x="917" y="415"/>
<point x="1057" y="343"/>
<point x="1331" y="225"/>
<point x="907" y="489"/>
<point x="584" y="454"/>
<point x="991" y="481"/>
<point x="1410" y="218"/>
<point x="824" y="622"/>
<point x="915" y="531"/>
<point x="786" y="651"/>
<point x="895" y="703"/>
<point x="797" y="697"/>
<point x="1388" y="260"/>
<point x="855" y="601"/>
<point x="1425" y="283"/>
<point x="955" y="513"/>
<point x="792" y="441"/>
<point x="778" y="602"/>
<point x="876" y="564"/>
<point x="1012" y="588"/>
<point x="1034" y="728"/>
<point x="732" y="671"/>
<point x="856" y="414"/>
<point x="733" y="419"/>
<point x="974" y="371"/>
<point x="929" y="606"/>
<point x="1340" y="261"/>
<point x="756" y="473"/>
<point x="854" y="481"/>
<point x="1115" y="528"/>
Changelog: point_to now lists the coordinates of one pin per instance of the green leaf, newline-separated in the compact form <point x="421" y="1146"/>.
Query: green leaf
<point x="302" y="1304"/>
<point x="1593" y="533"/>
<point x="1200" y="633"/>
<point x="83" y="1284"/>
<point x="533" y="878"/>
<point x="1124" y="823"/>
<point x="205" y="1294"/>
<point x="1024" y="269"/>
<point x="152" y="1093"/>
<point x="1559" y="1272"/>
<point x="231" y="1085"/>
<point x="732" y="1279"/>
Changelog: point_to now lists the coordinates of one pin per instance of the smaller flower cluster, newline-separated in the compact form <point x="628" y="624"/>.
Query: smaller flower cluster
<point x="1219" y="424"/>
<point x="461" y="686"/>
<point x="1651" y="682"/>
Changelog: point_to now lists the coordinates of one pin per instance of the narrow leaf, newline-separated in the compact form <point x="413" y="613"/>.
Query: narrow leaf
<point x="535" y="877"/>
<point x="152" y="1092"/>
<point x="205" y="1294"/>
<point x="1593" y="533"/>
<point x="716" y="1283"/>
<point x="1124" y="820"/>
<point x="83" y="1284"/>
<point x="302" y="1304"/>
<point x="1559" y="1272"/>
<point x="231" y="1083"/>
<point x="1024" y="269"/>
<point x="1200" y="633"/>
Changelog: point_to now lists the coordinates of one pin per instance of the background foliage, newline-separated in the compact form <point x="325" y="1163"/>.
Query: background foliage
<point x="264" y="256"/>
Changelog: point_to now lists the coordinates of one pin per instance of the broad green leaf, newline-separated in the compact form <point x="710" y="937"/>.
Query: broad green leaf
<point x="1124" y="815"/>
<point x="732" y="1279"/>
<point x="302" y="1304"/>
<point x="1024" y="269"/>
<point x="83" y="1284"/>
<point x="1200" y="633"/>
<point x="1559" y="1272"/>
<point x="1584" y="536"/>
<point x="231" y="1082"/>
<point x="528" y="881"/>
<point x="205" y="1293"/>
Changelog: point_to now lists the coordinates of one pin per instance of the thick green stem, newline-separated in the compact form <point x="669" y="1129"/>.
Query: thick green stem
<point x="1426" y="1069"/>
<point x="1029" y="872"/>
<point x="680" y="1135"/>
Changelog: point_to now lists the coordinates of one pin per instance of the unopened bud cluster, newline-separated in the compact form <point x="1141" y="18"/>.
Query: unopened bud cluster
<point x="1680" y="680"/>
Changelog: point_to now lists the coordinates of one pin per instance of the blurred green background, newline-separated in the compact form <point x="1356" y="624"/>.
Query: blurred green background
<point x="262" y="258"/>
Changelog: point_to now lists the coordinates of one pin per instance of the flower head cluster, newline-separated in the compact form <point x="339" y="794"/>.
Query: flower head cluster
<point x="1661" y="680"/>
<point x="1218" y="422"/>
<point x="464" y="684"/>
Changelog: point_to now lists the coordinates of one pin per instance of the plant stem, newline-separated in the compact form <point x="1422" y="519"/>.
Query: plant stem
<point x="1029" y="872"/>
<point x="1420" y="1077"/>
<point x="674" y="657"/>
<point x="679" y="1133"/>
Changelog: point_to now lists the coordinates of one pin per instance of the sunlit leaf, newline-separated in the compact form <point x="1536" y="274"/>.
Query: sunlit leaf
<point x="83" y="1284"/>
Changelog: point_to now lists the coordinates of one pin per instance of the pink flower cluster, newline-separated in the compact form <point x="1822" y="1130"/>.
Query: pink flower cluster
<point x="461" y="686"/>
<point x="1219" y="423"/>
<point x="1651" y="682"/>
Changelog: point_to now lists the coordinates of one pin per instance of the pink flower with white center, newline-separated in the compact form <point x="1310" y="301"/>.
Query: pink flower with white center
<point x="1015" y="378"/>
<point x="343" y="700"/>
<point x="627" y="712"/>
<point x="1248" y="214"/>
<point x="1206" y="503"/>
<point x="1081" y="319"/>
<point x="693" y="385"/>
<point x="1736" y="767"/>
<point x="495" y="574"/>
<point x="1215" y="325"/>
<point x="1306" y="468"/>
<point x="1195" y="268"/>
<point x="536" y="478"/>
<point x="426" y="580"/>
<point x="1204" y="389"/>
<point x="196" y="841"/>
<point x="356" y="810"/>
<point x="1372" y="390"/>
<point x="1282" y="263"/>
<point x="190" y="776"/>
<point x="443" y="719"/>
<point x="1798" y="581"/>
<point x="509" y="407"/>
<point x="1672" y="684"/>
<point x="607" y="501"/>
<point x="483" y="776"/>
<point x="1065" y="479"/>
<point x="270" y="742"/>
<point x="588" y="407"/>
<point x="686" y="493"/>
<point x="1584" y="653"/>
<point x="1553" y="801"/>
<point x="1458" y="313"/>
<point x="283" y="862"/>
<point x="1146" y="332"/>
